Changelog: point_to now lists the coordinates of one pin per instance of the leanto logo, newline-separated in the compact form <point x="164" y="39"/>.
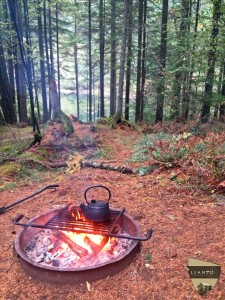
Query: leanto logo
<point x="204" y="275"/>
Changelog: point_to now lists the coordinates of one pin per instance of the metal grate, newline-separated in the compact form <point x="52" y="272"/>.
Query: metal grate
<point x="71" y="219"/>
<point x="68" y="219"/>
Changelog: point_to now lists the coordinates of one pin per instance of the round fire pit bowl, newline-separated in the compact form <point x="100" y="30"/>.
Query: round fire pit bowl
<point x="70" y="275"/>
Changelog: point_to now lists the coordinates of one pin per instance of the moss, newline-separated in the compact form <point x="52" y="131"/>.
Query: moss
<point x="105" y="121"/>
<point x="7" y="147"/>
<point x="67" y="124"/>
<point x="43" y="152"/>
<point x="30" y="155"/>
<point x="10" y="169"/>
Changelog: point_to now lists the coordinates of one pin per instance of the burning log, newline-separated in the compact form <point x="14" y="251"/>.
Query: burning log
<point x="80" y="251"/>
<point x="94" y="247"/>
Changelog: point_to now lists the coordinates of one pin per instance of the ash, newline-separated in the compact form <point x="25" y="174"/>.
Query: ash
<point x="47" y="250"/>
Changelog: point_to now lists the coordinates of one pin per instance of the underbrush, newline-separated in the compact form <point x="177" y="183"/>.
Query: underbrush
<point x="199" y="160"/>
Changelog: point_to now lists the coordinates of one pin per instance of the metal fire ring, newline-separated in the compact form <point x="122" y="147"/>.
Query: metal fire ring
<point x="52" y="274"/>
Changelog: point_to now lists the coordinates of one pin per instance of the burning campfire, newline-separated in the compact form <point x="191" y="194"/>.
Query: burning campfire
<point x="62" y="249"/>
<point x="75" y="244"/>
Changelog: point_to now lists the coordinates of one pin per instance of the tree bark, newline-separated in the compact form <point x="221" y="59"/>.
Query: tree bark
<point x="122" y="59"/>
<point x="211" y="62"/>
<point x="102" y="53"/>
<point x="90" y="61"/>
<point x="76" y="67"/>
<point x="163" y="53"/>
<point x="129" y="55"/>
<point x="139" y="60"/>
<point x="6" y="100"/>
<point x="42" y="64"/>
<point x="113" y="59"/>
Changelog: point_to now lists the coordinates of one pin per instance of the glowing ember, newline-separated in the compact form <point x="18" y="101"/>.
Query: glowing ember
<point x="62" y="249"/>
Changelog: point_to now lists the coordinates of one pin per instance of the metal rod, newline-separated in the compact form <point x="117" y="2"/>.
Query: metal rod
<point x="4" y="208"/>
<point x="117" y="219"/>
<point x="78" y="230"/>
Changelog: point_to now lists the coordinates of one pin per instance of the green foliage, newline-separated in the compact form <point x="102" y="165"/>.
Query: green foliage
<point x="148" y="257"/>
<point x="7" y="186"/>
<point x="201" y="147"/>
<point x="67" y="124"/>
<point x="105" y="121"/>
<point x="170" y="153"/>
<point x="146" y="170"/>
<point x="12" y="149"/>
<point x="10" y="169"/>
<point x="104" y="152"/>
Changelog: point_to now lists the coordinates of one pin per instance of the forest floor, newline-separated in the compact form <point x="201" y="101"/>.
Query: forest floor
<point x="178" y="196"/>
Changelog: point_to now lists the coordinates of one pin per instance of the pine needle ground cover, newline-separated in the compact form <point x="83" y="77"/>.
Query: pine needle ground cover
<point x="181" y="198"/>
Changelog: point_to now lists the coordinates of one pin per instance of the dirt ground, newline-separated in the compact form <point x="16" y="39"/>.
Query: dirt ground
<point x="183" y="226"/>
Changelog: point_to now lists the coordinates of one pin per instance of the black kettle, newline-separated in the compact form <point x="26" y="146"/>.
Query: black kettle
<point x="95" y="210"/>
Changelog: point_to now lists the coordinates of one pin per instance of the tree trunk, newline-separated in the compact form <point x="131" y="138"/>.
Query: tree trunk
<point x="76" y="68"/>
<point x="52" y="73"/>
<point x="143" y="67"/>
<point x="6" y="100"/>
<point x="10" y="50"/>
<point x="21" y="93"/>
<point x="55" y="103"/>
<point x="90" y="61"/>
<point x="48" y="65"/>
<point x="185" y="31"/>
<point x="211" y="62"/>
<point x="129" y="55"/>
<point x="2" y="120"/>
<point x="113" y="59"/>
<point x="222" y="105"/>
<point x="57" y="47"/>
<point x="42" y="64"/>
<point x="192" y="56"/>
<point x="102" y="53"/>
<point x="122" y="59"/>
<point x="139" y="61"/>
<point x="57" y="113"/>
<point x="163" y="52"/>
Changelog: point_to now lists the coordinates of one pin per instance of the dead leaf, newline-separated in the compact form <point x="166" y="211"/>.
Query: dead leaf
<point x="222" y="184"/>
<point x="74" y="164"/>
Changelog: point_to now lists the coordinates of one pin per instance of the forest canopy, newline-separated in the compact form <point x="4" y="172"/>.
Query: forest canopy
<point x="148" y="61"/>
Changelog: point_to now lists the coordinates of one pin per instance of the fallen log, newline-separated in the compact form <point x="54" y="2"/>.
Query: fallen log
<point x="121" y="169"/>
<point x="84" y="163"/>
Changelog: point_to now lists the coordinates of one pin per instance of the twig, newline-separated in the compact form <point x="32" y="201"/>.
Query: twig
<point x="10" y="267"/>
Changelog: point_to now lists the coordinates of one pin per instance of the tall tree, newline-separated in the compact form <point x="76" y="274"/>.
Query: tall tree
<point x="90" y="60"/>
<point x="25" y="56"/>
<point x="129" y="60"/>
<point x="211" y="61"/>
<point x="57" y="47"/>
<point x="76" y="64"/>
<point x="143" y="65"/>
<point x="6" y="101"/>
<point x="222" y="105"/>
<point x="113" y="59"/>
<point x="102" y="54"/>
<point x="51" y="50"/>
<point x="119" y="111"/>
<point x="10" y="51"/>
<point x="42" y="63"/>
<point x="162" y="60"/>
<point x="185" y="29"/>
<point x="139" y="60"/>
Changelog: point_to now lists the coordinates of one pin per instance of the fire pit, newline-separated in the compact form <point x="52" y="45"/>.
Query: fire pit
<point x="61" y="246"/>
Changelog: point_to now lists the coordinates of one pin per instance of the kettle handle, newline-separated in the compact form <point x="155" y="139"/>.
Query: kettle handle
<point x="96" y="186"/>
